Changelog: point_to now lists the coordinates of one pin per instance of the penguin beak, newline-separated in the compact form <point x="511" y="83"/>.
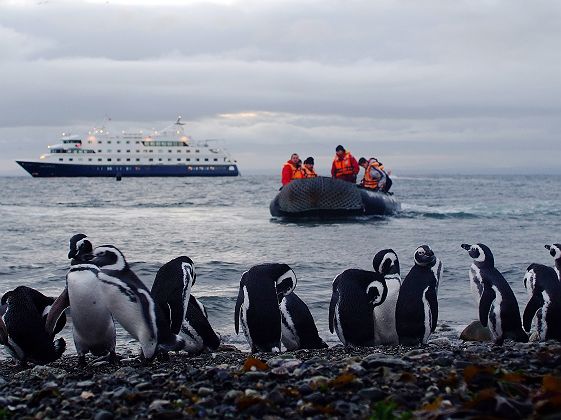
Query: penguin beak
<point x="466" y="247"/>
<point x="71" y="254"/>
<point x="548" y="247"/>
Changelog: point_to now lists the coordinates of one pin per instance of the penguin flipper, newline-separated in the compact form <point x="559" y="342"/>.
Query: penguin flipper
<point x="239" y="303"/>
<point x="485" y="303"/>
<point x="433" y="304"/>
<point x="334" y="300"/>
<point x="535" y="303"/>
<point x="57" y="310"/>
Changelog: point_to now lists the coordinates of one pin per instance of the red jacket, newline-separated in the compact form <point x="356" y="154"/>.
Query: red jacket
<point x="346" y="168"/>
<point x="288" y="171"/>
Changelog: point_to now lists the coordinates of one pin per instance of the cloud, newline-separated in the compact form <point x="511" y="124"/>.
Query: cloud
<point x="264" y="74"/>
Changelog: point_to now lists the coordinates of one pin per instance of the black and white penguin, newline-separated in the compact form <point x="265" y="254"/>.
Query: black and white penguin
<point x="416" y="312"/>
<point x="131" y="303"/>
<point x="555" y="252"/>
<point x="386" y="263"/>
<point x="93" y="328"/>
<point x="196" y="330"/>
<point x="262" y="288"/>
<point x="23" y="312"/>
<point x="299" y="330"/>
<point x="498" y="307"/>
<point x="543" y="310"/>
<point x="351" y="311"/>
<point x="172" y="288"/>
<point x="80" y="246"/>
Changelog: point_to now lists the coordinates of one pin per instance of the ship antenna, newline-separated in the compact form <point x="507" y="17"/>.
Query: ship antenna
<point x="178" y="122"/>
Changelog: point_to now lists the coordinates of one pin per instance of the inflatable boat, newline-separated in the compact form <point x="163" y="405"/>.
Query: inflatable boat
<point x="328" y="197"/>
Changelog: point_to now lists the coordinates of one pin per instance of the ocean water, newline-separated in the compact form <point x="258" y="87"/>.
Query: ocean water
<point x="224" y="225"/>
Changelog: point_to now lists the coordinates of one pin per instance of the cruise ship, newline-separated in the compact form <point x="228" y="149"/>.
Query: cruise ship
<point x="169" y="152"/>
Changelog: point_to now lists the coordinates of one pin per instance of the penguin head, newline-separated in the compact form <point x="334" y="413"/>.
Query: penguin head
<point x="108" y="257"/>
<point x="386" y="262"/>
<point x="79" y="246"/>
<point x="480" y="253"/>
<point x="424" y="256"/>
<point x="285" y="282"/>
<point x="554" y="250"/>
<point x="376" y="291"/>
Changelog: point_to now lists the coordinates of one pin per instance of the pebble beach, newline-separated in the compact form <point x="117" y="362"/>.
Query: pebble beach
<point x="447" y="378"/>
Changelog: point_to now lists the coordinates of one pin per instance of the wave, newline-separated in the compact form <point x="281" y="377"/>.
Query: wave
<point x="474" y="212"/>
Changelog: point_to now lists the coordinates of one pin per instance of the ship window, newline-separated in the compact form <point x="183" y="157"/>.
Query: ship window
<point x="137" y="151"/>
<point x="197" y="151"/>
<point x="60" y="159"/>
<point x="108" y="141"/>
<point x="206" y="159"/>
<point x="169" y="151"/>
<point x="179" y="159"/>
<point x="137" y="159"/>
<point x="118" y="159"/>
<point x="90" y="159"/>
<point x="108" y="159"/>
<point x="99" y="159"/>
<point x="128" y="142"/>
<point x="118" y="151"/>
<point x="98" y="150"/>
<point x="169" y="159"/>
<point x="70" y="159"/>
<point x="128" y="159"/>
<point x="216" y="160"/>
<point x="198" y="160"/>
<point x="188" y="151"/>
<point x="188" y="159"/>
<point x="178" y="151"/>
<point x="160" y="159"/>
<point x="151" y="151"/>
<point x="128" y="151"/>
<point x="137" y="142"/>
<point x="151" y="160"/>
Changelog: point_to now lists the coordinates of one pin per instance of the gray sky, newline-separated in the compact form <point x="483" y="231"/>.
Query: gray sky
<point x="426" y="86"/>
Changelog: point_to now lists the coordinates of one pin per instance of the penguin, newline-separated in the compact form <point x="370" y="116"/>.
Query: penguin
<point x="299" y="330"/>
<point x="93" y="327"/>
<point x="416" y="311"/>
<point x="262" y="288"/>
<point x="196" y="331"/>
<point x="23" y="313"/>
<point x="555" y="252"/>
<point x="544" y="306"/>
<point x="354" y="296"/>
<point x="498" y="307"/>
<point x="131" y="303"/>
<point x="172" y="288"/>
<point x="386" y="263"/>
<point x="80" y="246"/>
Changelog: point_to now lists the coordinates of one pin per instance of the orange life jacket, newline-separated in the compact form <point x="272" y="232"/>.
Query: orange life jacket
<point x="370" y="182"/>
<point x="309" y="173"/>
<point x="298" y="174"/>
<point x="343" y="166"/>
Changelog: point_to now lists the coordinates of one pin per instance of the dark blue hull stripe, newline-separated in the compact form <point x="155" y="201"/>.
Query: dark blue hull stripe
<point x="40" y="169"/>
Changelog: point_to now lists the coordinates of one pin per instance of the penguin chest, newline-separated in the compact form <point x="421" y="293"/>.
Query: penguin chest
<point x="542" y="317"/>
<point x="476" y="283"/>
<point x="134" y="310"/>
<point x="384" y="315"/>
<point x="495" y="319"/>
<point x="427" y="321"/>
<point x="193" y="341"/>
<point x="289" y="334"/>
<point x="243" y="317"/>
<point x="87" y="305"/>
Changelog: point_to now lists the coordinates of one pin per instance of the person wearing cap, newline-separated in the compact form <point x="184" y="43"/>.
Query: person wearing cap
<point x="344" y="165"/>
<point x="290" y="169"/>
<point x="375" y="176"/>
<point x="308" y="168"/>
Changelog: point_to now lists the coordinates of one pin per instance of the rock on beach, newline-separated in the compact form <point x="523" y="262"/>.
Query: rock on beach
<point x="443" y="379"/>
